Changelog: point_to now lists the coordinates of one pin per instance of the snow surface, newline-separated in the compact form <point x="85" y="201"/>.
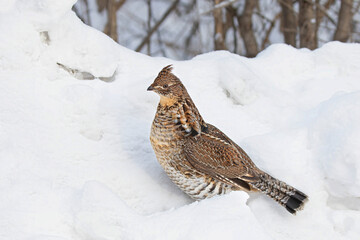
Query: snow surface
<point x="76" y="162"/>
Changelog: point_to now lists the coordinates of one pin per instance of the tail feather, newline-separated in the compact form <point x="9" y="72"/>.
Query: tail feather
<point x="287" y="196"/>
<point x="296" y="202"/>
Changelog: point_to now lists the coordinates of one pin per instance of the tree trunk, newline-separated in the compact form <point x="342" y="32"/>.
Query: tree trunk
<point x="246" y="30"/>
<point x="289" y="24"/>
<point x="149" y="26"/>
<point x="101" y="4"/>
<point x="343" y="28"/>
<point x="112" y="20"/>
<point x="219" y="38"/>
<point x="307" y="24"/>
<point x="111" y="26"/>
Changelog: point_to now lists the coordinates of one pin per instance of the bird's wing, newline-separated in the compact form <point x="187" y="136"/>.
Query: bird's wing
<point x="214" y="131"/>
<point x="213" y="153"/>
<point x="190" y="117"/>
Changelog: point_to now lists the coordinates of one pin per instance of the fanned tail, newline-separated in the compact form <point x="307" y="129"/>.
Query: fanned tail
<point x="287" y="196"/>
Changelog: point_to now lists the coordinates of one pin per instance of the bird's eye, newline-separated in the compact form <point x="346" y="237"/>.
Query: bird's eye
<point x="165" y="86"/>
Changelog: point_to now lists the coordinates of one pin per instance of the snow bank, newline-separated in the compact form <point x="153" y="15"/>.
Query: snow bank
<point x="76" y="162"/>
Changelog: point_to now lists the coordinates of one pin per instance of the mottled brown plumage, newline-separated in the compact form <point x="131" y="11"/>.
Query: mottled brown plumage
<point x="199" y="158"/>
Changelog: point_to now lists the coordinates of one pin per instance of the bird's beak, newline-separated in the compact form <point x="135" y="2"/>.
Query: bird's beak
<point x="150" y="88"/>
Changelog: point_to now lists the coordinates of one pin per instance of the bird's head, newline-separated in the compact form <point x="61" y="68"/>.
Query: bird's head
<point x="167" y="85"/>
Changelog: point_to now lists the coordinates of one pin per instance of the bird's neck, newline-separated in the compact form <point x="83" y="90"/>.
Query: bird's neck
<point x="183" y="111"/>
<point x="167" y="102"/>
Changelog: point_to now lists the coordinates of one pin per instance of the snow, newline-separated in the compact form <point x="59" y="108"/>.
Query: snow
<point x="76" y="162"/>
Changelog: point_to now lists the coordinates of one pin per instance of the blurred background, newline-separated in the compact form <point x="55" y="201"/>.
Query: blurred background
<point x="182" y="29"/>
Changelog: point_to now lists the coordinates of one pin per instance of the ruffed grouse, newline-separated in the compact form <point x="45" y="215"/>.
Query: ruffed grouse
<point x="199" y="158"/>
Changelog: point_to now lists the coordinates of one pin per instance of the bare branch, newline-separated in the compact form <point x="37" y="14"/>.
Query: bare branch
<point x="157" y="25"/>
<point x="267" y="35"/>
<point x="321" y="11"/>
<point x="219" y="6"/>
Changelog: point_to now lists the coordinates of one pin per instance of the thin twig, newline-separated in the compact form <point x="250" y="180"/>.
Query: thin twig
<point x="219" y="6"/>
<point x="324" y="11"/>
<point x="157" y="25"/>
<point x="267" y="35"/>
<point x="288" y="7"/>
